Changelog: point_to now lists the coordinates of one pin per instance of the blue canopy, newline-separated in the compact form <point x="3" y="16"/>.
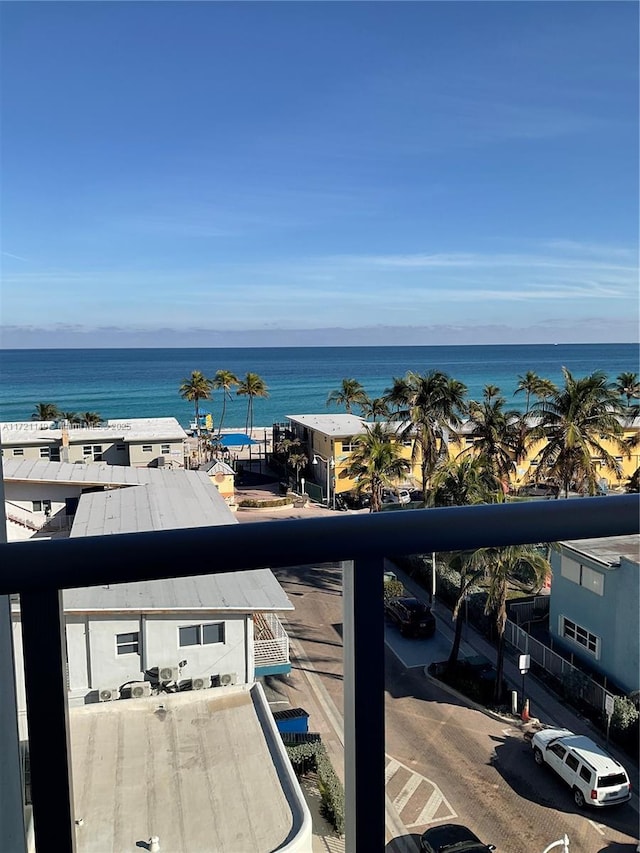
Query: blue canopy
<point x="236" y="439"/>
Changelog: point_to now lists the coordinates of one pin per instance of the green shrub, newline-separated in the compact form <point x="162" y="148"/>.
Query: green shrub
<point x="625" y="723"/>
<point x="313" y="756"/>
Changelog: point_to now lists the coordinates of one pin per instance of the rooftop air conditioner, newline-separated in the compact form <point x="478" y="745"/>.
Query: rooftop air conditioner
<point x="200" y="682"/>
<point x="227" y="678"/>
<point x="168" y="673"/>
<point x="140" y="689"/>
<point x="107" y="694"/>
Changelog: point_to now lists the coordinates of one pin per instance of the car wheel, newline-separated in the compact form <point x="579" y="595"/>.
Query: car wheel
<point x="538" y="757"/>
<point x="578" y="797"/>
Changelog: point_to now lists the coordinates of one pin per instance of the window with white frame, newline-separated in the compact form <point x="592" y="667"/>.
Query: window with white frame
<point x="128" y="644"/>
<point x="165" y="449"/>
<point x="577" y="634"/>
<point x="18" y="451"/>
<point x="582" y="575"/>
<point x="44" y="453"/>
<point x="147" y="448"/>
<point x="92" y="450"/>
<point x="349" y="444"/>
<point x="201" y="635"/>
<point x="41" y="506"/>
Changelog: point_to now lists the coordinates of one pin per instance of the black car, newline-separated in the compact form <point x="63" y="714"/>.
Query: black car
<point x="413" y="617"/>
<point x="452" y="838"/>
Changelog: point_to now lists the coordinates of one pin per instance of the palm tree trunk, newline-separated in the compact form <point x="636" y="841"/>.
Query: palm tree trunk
<point x="455" y="648"/>
<point x="497" y="694"/>
<point x="224" y="409"/>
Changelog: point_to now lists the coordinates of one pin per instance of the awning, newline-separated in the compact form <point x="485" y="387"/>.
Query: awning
<point x="236" y="439"/>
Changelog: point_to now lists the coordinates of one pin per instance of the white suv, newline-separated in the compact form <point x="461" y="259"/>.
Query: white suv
<point x="594" y="776"/>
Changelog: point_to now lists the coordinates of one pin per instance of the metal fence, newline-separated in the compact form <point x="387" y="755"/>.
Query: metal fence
<point x="530" y="611"/>
<point x="580" y="685"/>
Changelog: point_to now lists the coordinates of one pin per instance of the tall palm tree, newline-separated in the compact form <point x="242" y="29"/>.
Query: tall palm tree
<point x="350" y="393"/>
<point x="376" y="408"/>
<point x="432" y="405"/>
<point x="251" y="386"/>
<point x="91" y="419"/>
<point x="627" y="385"/>
<point x="224" y="381"/>
<point x="529" y="384"/>
<point x="574" y="422"/>
<point x="298" y="462"/>
<point x="496" y="435"/>
<point x="72" y="417"/>
<point x="489" y="392"/>
<point x="376" y="463"/>
<point x="45" y="412"/>
<point x="197" y="387"/>
<point x="464" y="482"/>
<point x="502" y="566"/>
<point x="399" y="395"/>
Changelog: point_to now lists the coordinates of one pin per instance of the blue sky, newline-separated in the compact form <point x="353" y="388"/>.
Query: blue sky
<point x="455" y="167"/>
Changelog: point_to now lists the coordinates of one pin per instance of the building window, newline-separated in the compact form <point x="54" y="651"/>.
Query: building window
<point x="18" y="451"/>
<point x="582" y="575"/>
<point x="165" y="449"/>
<point x="54" y="454"/>
<point x="128" y="644"/>
<point x="92" y="450"/>
<point x="41" y="506"/>
<point x="202" y="635"/>
<point x="147" y="448"/>
<point x="571" y="631"/>
<point x="44" y="453"/>
<point x="349" y="444"/>
<point x="86" y="450"/>
<point x="121" y="448"/>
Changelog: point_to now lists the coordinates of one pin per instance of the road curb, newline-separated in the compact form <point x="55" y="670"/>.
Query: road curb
<point x="501" y="718"/>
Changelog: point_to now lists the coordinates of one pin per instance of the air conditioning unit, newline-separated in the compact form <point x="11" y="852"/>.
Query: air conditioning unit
<point x="107" y="694"/>
<point x="168" y="673"/>
<point x="201" y="682"/>
<point x="140" y="689"/>
<point x="227" y="678"/>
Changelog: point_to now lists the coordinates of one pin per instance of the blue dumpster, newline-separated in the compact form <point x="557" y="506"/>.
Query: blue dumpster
<point x="292" y="721"/>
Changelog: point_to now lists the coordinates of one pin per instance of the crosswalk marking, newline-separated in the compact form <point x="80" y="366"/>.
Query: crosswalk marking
<point x="392" y="767"/>
<point x="407" y="792"/>
<point x="435" y="801"/>
<point x="436" y="807"/>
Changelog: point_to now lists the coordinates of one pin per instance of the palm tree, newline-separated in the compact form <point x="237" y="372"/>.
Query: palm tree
<point x="375" y="408"/>
<point x="627" y="385"/>
<point x="45" y="412"/>
<point x="399" y="395"/>
<point x="194" y="389"/>
<point x="502" y="566"/>
<point x="72" y="417"/>
<point x="376" y="463"/>
<point x="224" y="381"/>
<point x="91" y="419"/>
<point x="431" y="405"/>
<point x="251" y="386"/>
<point x="574" y="422"/>
<point x="462" y="483"/>
<point x="298" y="462"/>
<point x="489" y="392"/>
<point x="496" y="435"/>
<point x="528" y="383"/>
<point x="350" y="393"/>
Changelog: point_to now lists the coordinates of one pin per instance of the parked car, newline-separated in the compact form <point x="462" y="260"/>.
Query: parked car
<point x="354" y="500"/>
<point x="481" y="671"/>
<point x="452" y="838"/>
<point x="398" y="496"/>
<point x="592" y="774"/>
<point x="413" y="617"/>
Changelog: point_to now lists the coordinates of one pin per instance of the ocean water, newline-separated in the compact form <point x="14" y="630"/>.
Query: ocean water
<point x="130" y="383"/>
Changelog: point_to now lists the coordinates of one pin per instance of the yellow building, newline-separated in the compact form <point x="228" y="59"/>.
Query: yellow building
<point x="330" y="441"/>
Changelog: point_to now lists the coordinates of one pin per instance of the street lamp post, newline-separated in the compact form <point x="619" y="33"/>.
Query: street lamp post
<point x="330" y="464"/>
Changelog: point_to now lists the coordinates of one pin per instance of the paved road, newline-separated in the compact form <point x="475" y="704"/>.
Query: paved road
<point x="445" y="761"/>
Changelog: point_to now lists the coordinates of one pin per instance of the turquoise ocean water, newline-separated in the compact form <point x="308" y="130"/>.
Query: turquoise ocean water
<point x="129" y="383"/>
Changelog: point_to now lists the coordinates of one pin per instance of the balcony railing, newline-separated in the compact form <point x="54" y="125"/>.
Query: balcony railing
<point x="270" y="645"/>
<point x="38" y="571"/>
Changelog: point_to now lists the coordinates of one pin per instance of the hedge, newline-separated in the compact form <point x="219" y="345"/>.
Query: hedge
<point x="258" y="503"/>
<point x="307" y="757"/>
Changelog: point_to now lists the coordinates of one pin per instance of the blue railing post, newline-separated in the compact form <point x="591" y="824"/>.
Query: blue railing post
<point x="364" y="750"/>
<point x="47" y="715"/>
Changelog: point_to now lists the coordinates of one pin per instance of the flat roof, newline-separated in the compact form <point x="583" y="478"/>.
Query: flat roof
<point x="201" y="770"/>
<point x="115" y="429"/>
<point x="607" y="551"/>
<point x="336" y="425"/>
<point x="243" y="592"/>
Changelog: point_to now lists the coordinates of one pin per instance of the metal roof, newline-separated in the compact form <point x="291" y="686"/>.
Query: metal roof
<point x="90" y="473"/>
<point x="243" y="592"/>
<point x="123" y="429"/>
<point x="336" y="425"/>
<point x="607" y="551"/>
<point x="217" y="466"/>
